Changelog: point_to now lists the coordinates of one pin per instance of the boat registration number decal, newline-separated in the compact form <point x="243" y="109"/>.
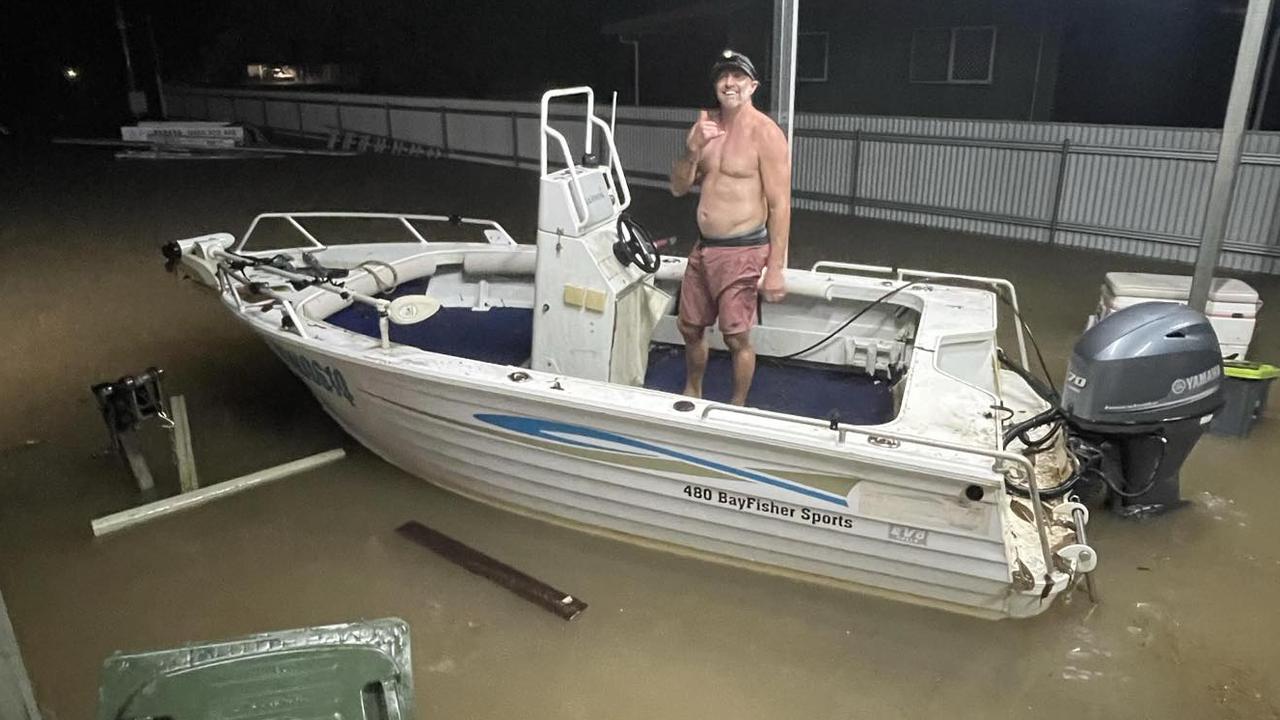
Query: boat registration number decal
<point x="908" y="535"/>
<point x="772" y="508"/>
<point x="328" y="379"/>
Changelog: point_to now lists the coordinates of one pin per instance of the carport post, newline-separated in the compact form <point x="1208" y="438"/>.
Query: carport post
<point x="1224" y="174"/>
<point x="782" y="95"/>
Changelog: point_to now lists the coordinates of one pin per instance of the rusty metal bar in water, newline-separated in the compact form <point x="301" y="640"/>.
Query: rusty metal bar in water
<point x="474" y="561"/>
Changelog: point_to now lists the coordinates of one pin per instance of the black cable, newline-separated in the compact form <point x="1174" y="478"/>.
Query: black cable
<point x="1044" y="444"/>
<point x="1044" y="367"/>
<point x="1030" y="423"/>
<point x="1089" y="458"/>
<point x="1082" y="467"/>
<point x="850" y="321"/>
<point x="1040" y="388"/>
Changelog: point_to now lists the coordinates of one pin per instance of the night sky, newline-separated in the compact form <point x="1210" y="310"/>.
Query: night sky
<point x="1176" y="67"/>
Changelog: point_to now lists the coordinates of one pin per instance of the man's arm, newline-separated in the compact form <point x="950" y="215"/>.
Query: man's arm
<point x="775" y="176"/>
<point x="684" y="174"/>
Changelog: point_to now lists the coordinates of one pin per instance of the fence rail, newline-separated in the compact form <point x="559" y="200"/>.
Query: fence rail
<point x="1135" y="190"/>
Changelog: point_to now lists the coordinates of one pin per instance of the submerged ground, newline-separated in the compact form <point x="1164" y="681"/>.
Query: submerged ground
<point x="1187" y="625"/>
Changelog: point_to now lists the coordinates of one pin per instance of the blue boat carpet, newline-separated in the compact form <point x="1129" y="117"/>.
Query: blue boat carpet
<point x="505" y="336"/>
<point x="795" y="389"/>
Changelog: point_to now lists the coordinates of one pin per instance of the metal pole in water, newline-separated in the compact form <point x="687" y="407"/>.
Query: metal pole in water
<point x="1078" y="517"/>
<point x="635" y="68"/>
<point x="133" y="516"/>
<point x="128" y="60"/>
<point x="1233" y="127"/>
<point x="155" y="64"/>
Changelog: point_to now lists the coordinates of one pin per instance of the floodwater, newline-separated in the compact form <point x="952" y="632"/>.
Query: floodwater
<point x="1187" y="626"/>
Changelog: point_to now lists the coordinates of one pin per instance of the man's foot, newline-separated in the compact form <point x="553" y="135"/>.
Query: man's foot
<point x="692" y="392"/>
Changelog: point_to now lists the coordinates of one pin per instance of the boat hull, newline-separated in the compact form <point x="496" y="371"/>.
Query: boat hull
<point x="714" y="491"/>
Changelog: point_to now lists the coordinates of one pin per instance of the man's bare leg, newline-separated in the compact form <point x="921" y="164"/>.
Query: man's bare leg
<point x="695" y="358"/>
<point x="744" y="365"/>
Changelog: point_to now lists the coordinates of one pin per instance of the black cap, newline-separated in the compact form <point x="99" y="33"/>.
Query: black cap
<point x="730" y="60"/>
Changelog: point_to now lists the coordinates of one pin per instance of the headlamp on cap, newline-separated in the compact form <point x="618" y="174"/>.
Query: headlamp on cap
<point x="730" y="60"/>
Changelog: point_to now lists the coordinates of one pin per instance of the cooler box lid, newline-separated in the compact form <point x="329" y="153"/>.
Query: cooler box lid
<point x="1110" y="303"/>
<point x="1177" y="287"/>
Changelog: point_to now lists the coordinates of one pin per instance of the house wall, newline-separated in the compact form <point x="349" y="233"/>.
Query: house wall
<point x="869" y="51"/>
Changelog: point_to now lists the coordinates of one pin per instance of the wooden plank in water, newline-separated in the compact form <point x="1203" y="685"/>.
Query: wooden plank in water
<point x="474" y="561"/>
<point x="183" y="455"/>
<point x="137" y="463"/>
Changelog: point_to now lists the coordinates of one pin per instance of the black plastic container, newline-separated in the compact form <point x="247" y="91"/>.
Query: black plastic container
<point x="1245" y="399"/>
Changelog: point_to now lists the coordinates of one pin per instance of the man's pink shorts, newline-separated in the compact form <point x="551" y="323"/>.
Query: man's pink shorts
<point x="722" y="281"/>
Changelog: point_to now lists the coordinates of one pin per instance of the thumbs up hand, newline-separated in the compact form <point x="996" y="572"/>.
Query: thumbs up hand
<point x="704" y="130"/>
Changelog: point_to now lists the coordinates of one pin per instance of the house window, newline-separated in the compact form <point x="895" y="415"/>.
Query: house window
<point x="955" y="55"/>
<point x="811" y="57"/>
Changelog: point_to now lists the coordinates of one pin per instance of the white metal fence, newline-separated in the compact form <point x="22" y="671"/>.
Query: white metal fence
<point x="1136" y="190"/>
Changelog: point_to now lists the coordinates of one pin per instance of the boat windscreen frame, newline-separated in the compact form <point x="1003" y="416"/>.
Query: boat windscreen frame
<point x="500" y="236"/>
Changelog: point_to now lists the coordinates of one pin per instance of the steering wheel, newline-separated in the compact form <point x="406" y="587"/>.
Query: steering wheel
<point x="635" y="245"/>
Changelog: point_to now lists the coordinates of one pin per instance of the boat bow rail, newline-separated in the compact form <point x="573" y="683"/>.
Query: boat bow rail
<point x="494" y="232"/>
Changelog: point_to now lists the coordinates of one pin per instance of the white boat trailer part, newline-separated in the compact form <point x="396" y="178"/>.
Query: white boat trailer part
<point x="195" y="498"/>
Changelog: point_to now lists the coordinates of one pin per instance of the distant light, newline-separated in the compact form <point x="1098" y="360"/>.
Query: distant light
<point x="71" y="74"/>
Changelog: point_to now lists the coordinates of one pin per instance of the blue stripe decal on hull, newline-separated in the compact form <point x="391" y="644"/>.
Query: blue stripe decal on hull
<point x="581" y="436"/>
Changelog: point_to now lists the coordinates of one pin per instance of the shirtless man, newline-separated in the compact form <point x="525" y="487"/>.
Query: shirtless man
<point x="740" y="157"/>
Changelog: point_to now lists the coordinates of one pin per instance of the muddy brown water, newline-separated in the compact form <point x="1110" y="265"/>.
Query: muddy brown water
<point x="1187" y="627"/>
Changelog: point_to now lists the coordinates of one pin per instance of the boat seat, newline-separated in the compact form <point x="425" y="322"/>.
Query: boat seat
<point x="500" y="263"/>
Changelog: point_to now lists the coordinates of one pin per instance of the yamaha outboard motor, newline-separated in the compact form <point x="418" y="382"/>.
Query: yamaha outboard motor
<point x="1141" y="388"/>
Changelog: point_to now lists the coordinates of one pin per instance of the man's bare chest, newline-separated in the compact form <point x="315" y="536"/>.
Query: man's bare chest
<point x="731" y="155"/>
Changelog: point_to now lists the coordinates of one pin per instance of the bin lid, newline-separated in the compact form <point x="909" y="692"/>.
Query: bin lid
<point x="1177" y="287"/>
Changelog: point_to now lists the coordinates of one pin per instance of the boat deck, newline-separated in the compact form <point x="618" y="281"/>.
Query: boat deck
<point x="504" y="336"/>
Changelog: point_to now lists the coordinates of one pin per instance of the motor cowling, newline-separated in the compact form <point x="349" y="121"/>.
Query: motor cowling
<point x="1141" y="388"/>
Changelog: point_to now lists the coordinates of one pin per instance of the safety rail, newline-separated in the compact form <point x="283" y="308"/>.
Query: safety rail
<point x="546" y="130"/>
<point x="1002" y="460"/>
<point x="903" y="274"/>
<point x="615" y="162"/>
<point x="223" y="257"/>
<point x="224" y="283"/>
<point x="853" y="267"/>
<point x="504" y="238"/>
<point x="550" y="95"/>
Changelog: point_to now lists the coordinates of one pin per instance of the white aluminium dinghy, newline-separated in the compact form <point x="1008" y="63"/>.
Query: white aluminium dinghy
<point x="544" y="378"/>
